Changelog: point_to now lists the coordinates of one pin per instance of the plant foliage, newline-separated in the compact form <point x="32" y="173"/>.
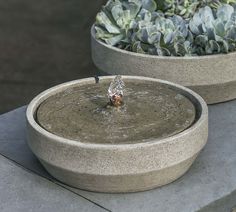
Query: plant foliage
<point x="169" y="28"/>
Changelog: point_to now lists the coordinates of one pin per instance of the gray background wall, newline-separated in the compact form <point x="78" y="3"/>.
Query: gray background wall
<point x="43" y="43"/>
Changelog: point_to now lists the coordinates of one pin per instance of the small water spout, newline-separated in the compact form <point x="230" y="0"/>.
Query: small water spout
<point x="116" y="91"/>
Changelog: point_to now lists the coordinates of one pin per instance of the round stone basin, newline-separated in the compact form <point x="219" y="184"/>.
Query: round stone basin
<point x="151" y="140"/>
<point x="151" y="110"/>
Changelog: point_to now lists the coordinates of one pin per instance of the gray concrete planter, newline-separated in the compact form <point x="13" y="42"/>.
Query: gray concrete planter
<point x="213" y="77"/>
<point x="118" y="167"/>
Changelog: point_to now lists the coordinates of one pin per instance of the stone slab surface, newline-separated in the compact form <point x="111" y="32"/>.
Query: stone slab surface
<point x="224" y="204"/>
<point x="23" y="191"/>
<point x="211" y="179"/>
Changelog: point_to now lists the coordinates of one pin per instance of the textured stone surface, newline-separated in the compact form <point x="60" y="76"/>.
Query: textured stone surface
<point x="204" y="74"/>
<point x="22" y="191"/>
<point x="123" y="167"/>
<point x="222" y="205"/>
<point x="210" y="179"/>
<point x="43" y="43"/>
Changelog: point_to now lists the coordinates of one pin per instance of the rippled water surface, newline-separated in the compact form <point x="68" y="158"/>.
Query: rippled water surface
<point x="151" y="110"/>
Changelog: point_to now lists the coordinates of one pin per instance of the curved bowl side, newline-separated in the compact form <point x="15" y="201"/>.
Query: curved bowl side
<point x="121" y="183"/>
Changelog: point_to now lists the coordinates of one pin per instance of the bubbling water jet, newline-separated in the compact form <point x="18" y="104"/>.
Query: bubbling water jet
<point x="116" y="91"/>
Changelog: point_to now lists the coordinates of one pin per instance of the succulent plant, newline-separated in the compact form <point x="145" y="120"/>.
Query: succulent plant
<point x="142" y="30"/>
<point x="162" y="36"/>
<point x="116" y="21"/>
<point x="140" y="26"/>
<point x="214" y="34"/>
<point x="187" y="8"/>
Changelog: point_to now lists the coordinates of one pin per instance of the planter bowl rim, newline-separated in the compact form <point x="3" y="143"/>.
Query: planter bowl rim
<point x="156" y="56"/>
<point x="34" y="104"/>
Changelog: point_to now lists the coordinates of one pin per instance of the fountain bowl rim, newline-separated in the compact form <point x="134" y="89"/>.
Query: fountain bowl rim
<point x="34" y="104"/>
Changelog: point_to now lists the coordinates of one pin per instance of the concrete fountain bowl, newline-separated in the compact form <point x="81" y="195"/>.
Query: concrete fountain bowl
<point x="118" y="167"/>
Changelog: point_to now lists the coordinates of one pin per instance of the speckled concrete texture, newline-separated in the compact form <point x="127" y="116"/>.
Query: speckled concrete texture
<point x="118" y="168"/>
<point x="205" y="74"/>
<point x="210" y="182"/>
